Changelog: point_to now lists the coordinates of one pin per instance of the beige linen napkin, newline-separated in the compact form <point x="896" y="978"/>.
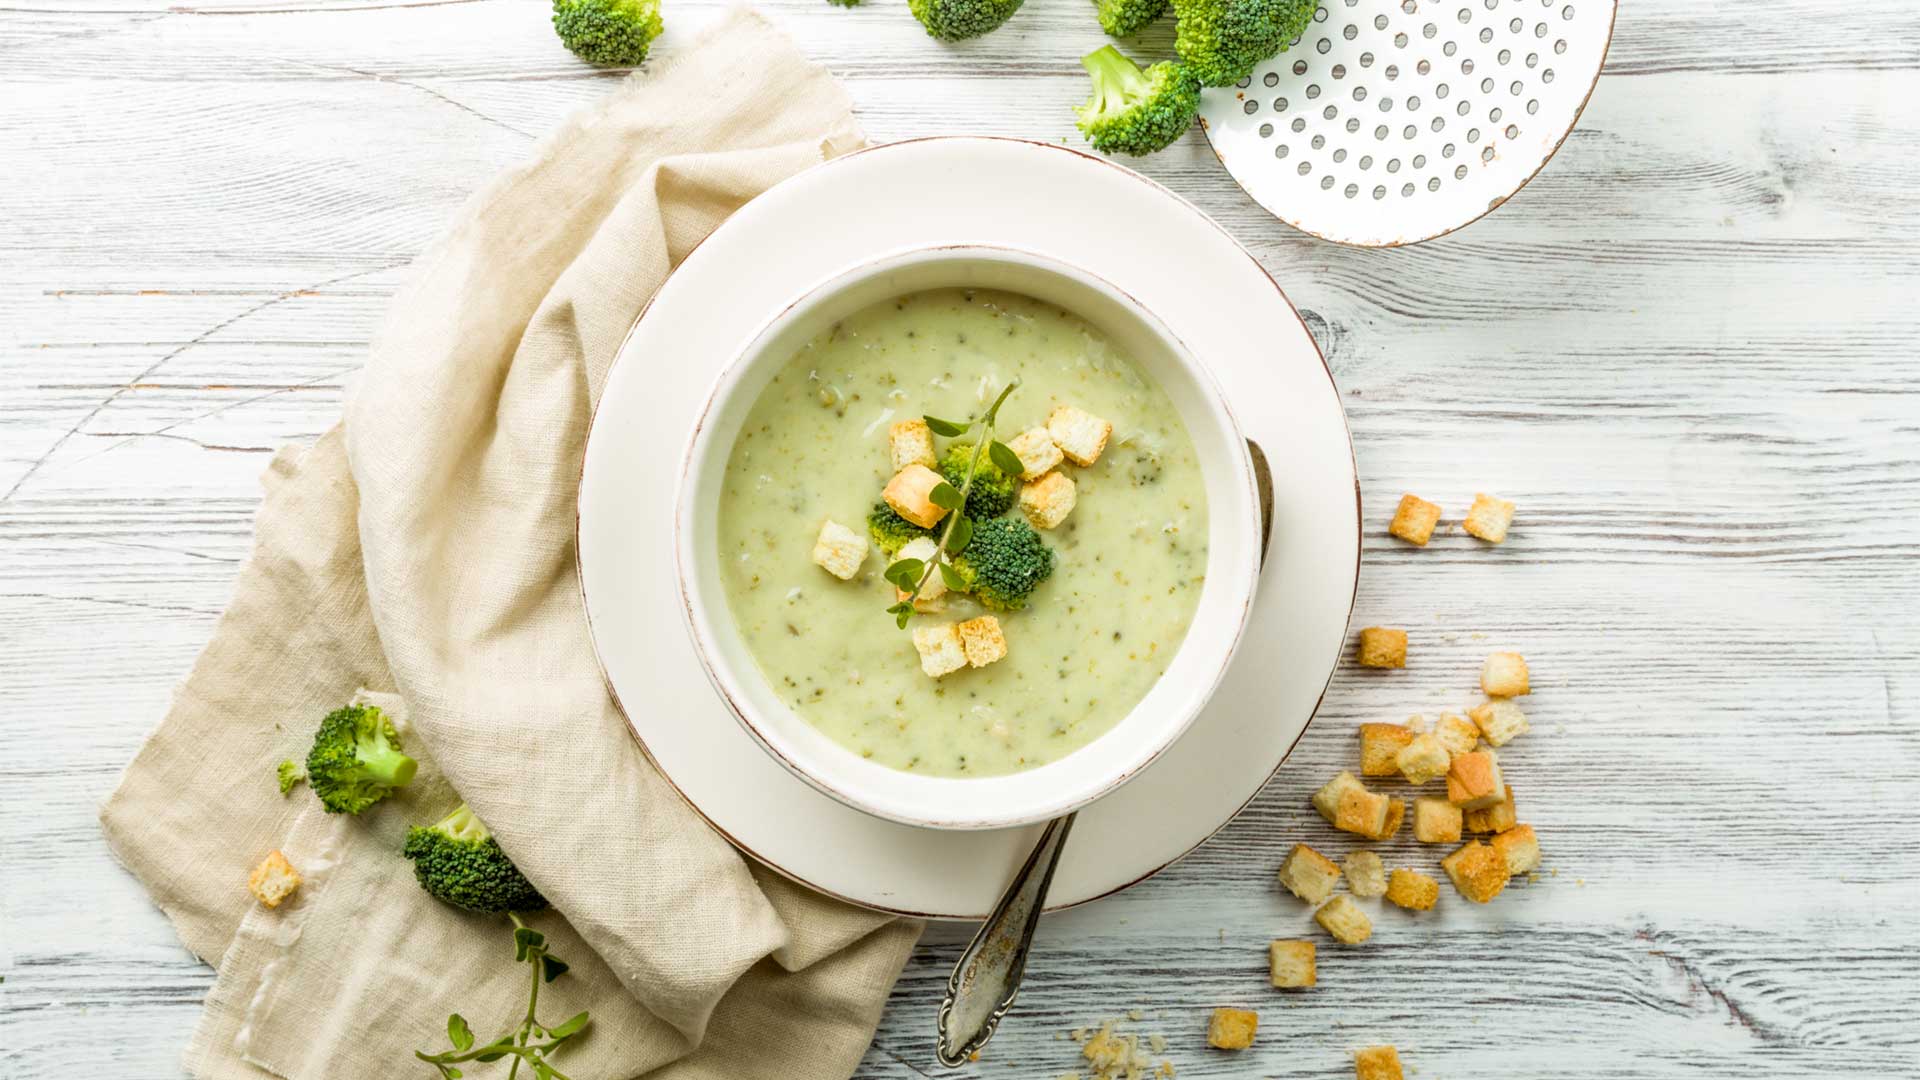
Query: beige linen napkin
<point x="426" y="548"/>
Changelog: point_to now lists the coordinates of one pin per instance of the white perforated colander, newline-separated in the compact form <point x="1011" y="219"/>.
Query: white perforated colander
<point x="1394" y="121"/>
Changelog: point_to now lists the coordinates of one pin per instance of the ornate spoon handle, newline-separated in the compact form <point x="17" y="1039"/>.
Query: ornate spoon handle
<point x="987" y="977"/>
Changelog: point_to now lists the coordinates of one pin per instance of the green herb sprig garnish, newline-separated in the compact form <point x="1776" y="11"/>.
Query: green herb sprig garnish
<point x="529" y="1042"/>
<point x="911" y="575"/>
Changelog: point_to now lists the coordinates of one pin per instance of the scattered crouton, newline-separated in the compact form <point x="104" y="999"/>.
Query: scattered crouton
<point x="1290" y="964"/>
<point x="1036" y="452"/>
<point x="1396" y="813"/>
<point x="982" y="640"/>
<point x="1378" y="745"/>
<point x="1478" y="871"/>
<point x="273" y="880"/>
<point x="941" y="650"/>
<point x="1232" y="1029"/>
<point x="910" y="493"/>
<point x="1377" y="1063"/>
<point x="922" y="548"/>
<point x="1415" y="519"/>
<point x="1473" y="780"/>
<point x="1412" y="890"/>
<point x="1436" y="821"/>
<point x="1365" y="874"/>
<point x="1327" y="799"/>
<point x="1308" y="874"/>
<point x="839" y="550"/>
<point x="1046" y="502"/>
<point x="1489" y="517"/>
<point x="1342" y="918"/>
<point x="1519" y="848"/>
<point x="1383" y="648"/>
<point x="910" y="442"/>
<point x="1425" y="758"/>
<point x="1500" y="720"/>
<point x="1079" y="434"/>
<point x="1363" y="812"/>
<point x="1457" y="733"/>
<point x="1504" y="675"/>
<point x="1496" y="818"/>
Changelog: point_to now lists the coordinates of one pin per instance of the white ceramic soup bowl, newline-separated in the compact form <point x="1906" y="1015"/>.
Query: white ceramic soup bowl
<point x="1233" y="557"/>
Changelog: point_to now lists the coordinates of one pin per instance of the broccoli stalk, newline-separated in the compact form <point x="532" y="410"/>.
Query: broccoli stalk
<point x="459" y="862"/>
<point x="1125" y="18"/>
<point x="611" y="33"/>
<point x="356" y="760"/>
<point x="992" y="492"/>
<point x="954" y="20"/>
<point x="1134" y="111"/>
<point x="1003" y="563"/>
<point x="1224" y="40"/>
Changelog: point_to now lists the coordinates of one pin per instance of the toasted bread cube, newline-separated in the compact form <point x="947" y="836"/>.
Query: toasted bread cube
<point x="1383" y="648"/>
<point x="1232" y="1029"/>
<point x="1436" y="821"/>
<point x="1363" y="812"/>
<point x="1378" y="745"/>
<point x="1477" y="871"/>
<point x="1396" y="813"/>
<point x="1290" y="963"/>
<point x="910" y="442"/>
<point x="1366" y="876"/>
<point x="922" y="548"/>
<point x="982" y="640"/>
<point x="273" y="880"/>
<point x="1500" y="720"/>
<point x="1079" y="434"/>
<point x="941" y="650"/>
<point x="1327" y="799"/>
<point x="1489" y="517"/>
<point x="1425" y="758"/>
<point x="1504" y="675"/>
<point x="1377" y="1063"/>
<point x="839" y="550"/>
<point x="1415" y="519"/>
<point x="1036" y="451"/>
<point x="1308" y="874"/>
<point x="1411" y="890"/>
<point x="1519" y="848"/>
<point x="1342" y="918"/>
<point x="1046" y="502"/>
<point x="1457" y="733"/>
<point x="910" y="493"/>
<point x="1496" y="818"/>
<point x="1473" y="780"/>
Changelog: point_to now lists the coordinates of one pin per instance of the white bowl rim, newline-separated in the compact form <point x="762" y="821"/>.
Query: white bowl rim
<point x="697" y="616"/>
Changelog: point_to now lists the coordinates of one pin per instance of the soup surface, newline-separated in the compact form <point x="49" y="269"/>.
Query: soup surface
<point x="1129" y="559"/>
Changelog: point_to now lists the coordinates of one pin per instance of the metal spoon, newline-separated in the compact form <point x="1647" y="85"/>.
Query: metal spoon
<point x="986" y="978"/>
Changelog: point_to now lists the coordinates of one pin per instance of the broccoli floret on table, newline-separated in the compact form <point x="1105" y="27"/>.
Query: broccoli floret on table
<point x="1004" y="562"/>
<point x="611" y="33"/>
<point x="1133" y="111"/>
<point x="356" y="760"/>
<point x="954" y="20"/>
<point x="458" y="861"/>
<point x="1224" y="40"/>
<point x="889" y="530"/>
<point x="993" y="490"/>
<point x="1125" y="18"/>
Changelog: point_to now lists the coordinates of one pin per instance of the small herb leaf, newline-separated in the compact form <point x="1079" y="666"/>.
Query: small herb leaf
<point x="994" y="409"/>
<point x="552" y="967"/>
<point x="458" y="1033"/>
<point x="906" y="573"/>
<point x="946" y="496"/>
<point x="900" y="620"/>
<point x="524" y="939"/>
<point x="1004" y="457"/>
<point x="946" y="428"/>
<point x="953" y="579"/>
<point x="569" y="1029"/>
<point x="961" y="536"/>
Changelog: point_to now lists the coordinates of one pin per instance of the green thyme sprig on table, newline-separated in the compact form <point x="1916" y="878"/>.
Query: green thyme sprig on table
<point x="911" y="575"/>
<point x="529" y="1042"/>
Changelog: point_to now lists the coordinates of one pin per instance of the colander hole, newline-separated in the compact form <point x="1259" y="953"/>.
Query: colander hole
<point x="1272" y="79"/>
<point x="1413" y="103"/>
<point x="1319" y="141"/>
<point x="1486" y="86"/>
<point x="1330" y="111"/>
<point x="1326" y="183"/>
<point x="1280" y="150"/>
<point x="1250" y="107"/>
<point x="1446" y="151"/>
<point x="1449" y="48"/>
<point x="1466" y="15"/>
<point x="1441" y="91"/>
<point x="1406" y="190"/>
<point x="1379" y="191"/>
<point x="1299" y="124"/>
<point x="1279" y="104"/>
<point x="1386" y="104"/>
<point x="1533" y="60"/>
<point x="1463" y="108"/>
<point x="1540" y="30"/>
<point x="1466" y="66"/>
<point x="1313" y="91"/>
<point x="1366" y="59"/>
<point x="1516" y="26"/>
<point x="1513" y="131"/>
<point x="1567" y="12"/>
<point x="1320" y="15"/>
<point x="1359" y="93"/>
<point x="1322" y="45"/>
<point x="1299" y="67"/>
<point x="1423" y="67"/>
<point x="1505" y="56"/>
<point x="1491" y="4"/>
<point x="1460" y="173"/>
<point x="1493" y="114"/>
<point x="1392" y="71"/>
<point x="1409" y="132"/>
<point x="1266" y="131"/>
<point x="1399" y="41"/>
<point x="1353" y="124"/>
<point x="1560" y="46"/>
<point x="1380" y="132"/>
<point x="1244" y="83"/>
<point x="1409" y="6"/>
<point x="1473" y="135"/>
<point x="1428" y="31"/>
<point x="1439" y="123"/>
<point x="1306" y="167"/>
<point x="1486" y="34"/>
<point x="1379" y="22"/>
<point x="1419" y="161"/>
<point x="1339" y="71"/>
<point x="1356" y="3"/>
<point x="1533" y="106"/>
<point x="1350" y="32"/>
<point x="1487" y="154"/>
<point x="1517" y="88"/>
<point x="1546" y="76"/>
<point x="1433" y="184"/>
<point x="1393" y="165"/>
<point x="1352" y="190"/>
<point x="1340" y="155"/>
<point x="1366" y="162"/>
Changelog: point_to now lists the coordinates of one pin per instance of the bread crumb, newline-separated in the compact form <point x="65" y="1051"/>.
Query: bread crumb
<point x="1344" y="920"/>
<point x="1377" y="1063"/>
<point x="1414" y="519"/>
<point x="1412" y="890"/>
<point x="1488" y="518"/>
<point x="1366" y="876"/>
<point x="1232" y="1029"/>
<point x="273" y="880"/>
<point x="1382" y="647"/>
<point x="1290" y="964"/>
<point x="1505" y="675"/>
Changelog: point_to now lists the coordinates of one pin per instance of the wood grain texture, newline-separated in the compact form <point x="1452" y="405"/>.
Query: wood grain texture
<point x="1686" y="351"/>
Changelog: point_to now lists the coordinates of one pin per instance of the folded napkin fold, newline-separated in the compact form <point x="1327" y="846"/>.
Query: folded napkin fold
<point x="425" y="549"/>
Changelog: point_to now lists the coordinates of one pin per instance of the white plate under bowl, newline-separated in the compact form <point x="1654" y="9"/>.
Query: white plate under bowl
<point x="1055" y="202"/>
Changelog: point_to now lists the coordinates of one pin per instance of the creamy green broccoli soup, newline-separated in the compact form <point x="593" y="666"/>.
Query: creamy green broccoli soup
<point x="1122" y="570"/>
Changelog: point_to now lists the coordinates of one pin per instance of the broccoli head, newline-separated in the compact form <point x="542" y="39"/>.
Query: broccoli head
<point x="889" y="530"/>
<point x="1125" y="18"/>
<point x="954" y="20"/>
<point x="993" y="490"/>
<point x="458" y="861"/>
<point x="356" y="760"/>
<point x="1224" y="40"/>
<point x="290" y="775"/>
<point x="1134" y="111"/>
<point x="612" y="33"/>
<point x="1004" y="562"/>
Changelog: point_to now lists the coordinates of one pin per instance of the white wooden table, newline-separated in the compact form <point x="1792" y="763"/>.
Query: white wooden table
<point x="1687" y="351"/>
